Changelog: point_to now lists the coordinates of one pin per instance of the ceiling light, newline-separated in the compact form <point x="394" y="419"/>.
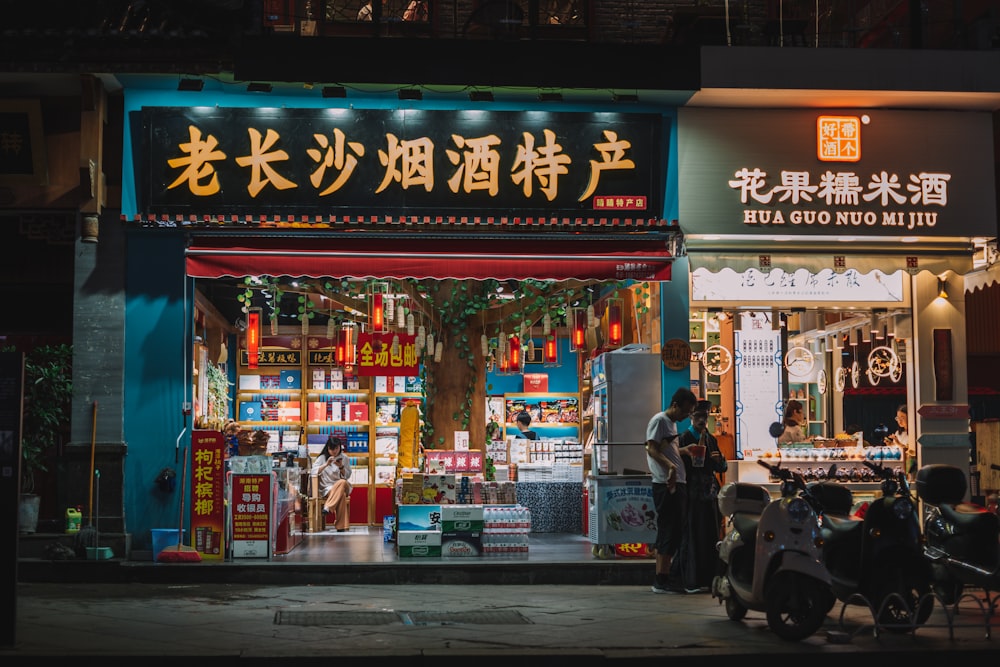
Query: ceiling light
<point x="480" y="96"/>
<point x="259" y="88"/>
<point x="334" y="91"/>
<point x="410" y="94"/>
<point x="193" y="85"/>
<point x="550" y="97"/>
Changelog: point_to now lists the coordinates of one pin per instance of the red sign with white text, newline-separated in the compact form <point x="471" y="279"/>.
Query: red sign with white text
<point x="251" y="512"/>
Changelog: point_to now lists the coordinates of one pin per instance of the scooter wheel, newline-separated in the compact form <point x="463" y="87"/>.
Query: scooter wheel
<point x="948" y="593"/>
<point x="796" y="606"/>
<point x="734" y="610"/>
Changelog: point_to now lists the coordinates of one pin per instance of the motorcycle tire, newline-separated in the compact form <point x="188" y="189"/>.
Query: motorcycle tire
<point x="903" y="599"/>
<point x="796" y="605"/>
<point x="734" y="610"/>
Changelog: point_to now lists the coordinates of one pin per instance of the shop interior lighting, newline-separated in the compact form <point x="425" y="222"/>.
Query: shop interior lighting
<point x="577" y="329"/>
<point x="190" y="85"/>
<point x="334" y="91"/>
<point x="942" y="288"/>
<point x="258" y="87"/>
<point x="410" y="94"/>
<point x="253" y="337"/>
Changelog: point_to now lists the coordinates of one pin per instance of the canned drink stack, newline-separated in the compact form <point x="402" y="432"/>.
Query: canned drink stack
<point x="74" y="519"/>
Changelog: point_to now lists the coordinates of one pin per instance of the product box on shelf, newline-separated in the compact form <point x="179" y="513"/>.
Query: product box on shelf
<point x="418" y="543"/>
<point x="249" y="382"/>
<point x="462" y="544"/>
<point x="418" y="517"/>
<point x="317" y="411"/>
<point x="357" y="412"/>
<point x="462" y="518"/>
<point x="289" y="411"/>
<point x="319" y="378"/>
<point x="411" y="489"/>
<point x="250" y="411"/>
<point x="439" y="489"/>
<point x="291" y="379"/>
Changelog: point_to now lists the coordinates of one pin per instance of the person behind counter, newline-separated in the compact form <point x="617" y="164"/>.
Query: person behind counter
<point x="524" y="427"/>
<point x="334" y="471"/>
<point x="901" y="438"/>
<point x="793" y="421"/>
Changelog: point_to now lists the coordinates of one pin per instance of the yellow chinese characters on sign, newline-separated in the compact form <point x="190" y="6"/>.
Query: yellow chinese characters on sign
<point x="838" y="138"/>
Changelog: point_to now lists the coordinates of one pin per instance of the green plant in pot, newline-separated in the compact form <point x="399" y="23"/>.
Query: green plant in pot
<point x="48" y="394"/>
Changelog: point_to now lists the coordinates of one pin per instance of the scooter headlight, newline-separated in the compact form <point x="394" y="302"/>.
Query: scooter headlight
<point x="902" y="508"/>
<point x="799" y="510"/>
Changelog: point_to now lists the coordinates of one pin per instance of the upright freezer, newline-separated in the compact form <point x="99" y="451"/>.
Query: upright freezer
<point x="626" y="389"/>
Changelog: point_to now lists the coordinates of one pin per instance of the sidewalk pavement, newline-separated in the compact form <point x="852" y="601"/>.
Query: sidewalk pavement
<point x="423" y="624"/>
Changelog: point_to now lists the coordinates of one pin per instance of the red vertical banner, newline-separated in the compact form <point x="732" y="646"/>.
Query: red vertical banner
<point x="208" y="494"/>
<point x="944" y="386"/>
<point x="251" y="506"/>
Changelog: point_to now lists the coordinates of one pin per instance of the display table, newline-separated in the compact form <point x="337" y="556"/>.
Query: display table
<point x="555" y="506"/>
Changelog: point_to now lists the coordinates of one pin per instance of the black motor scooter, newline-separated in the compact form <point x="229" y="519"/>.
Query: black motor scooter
<point x="876" y="559"/>
<point x="962" y="539"/>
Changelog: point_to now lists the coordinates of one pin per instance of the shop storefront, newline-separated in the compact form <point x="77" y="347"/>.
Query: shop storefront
<point x="352" y="201"/>
<point x="827" y="250"/>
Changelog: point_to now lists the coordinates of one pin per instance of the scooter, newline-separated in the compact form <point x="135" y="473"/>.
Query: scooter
<point x="962" y="540"/>
<point x="770" y="557"/>
<point x="876" y="559"/>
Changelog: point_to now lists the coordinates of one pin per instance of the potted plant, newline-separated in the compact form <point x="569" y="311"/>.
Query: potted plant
<point x="48" y="393"/>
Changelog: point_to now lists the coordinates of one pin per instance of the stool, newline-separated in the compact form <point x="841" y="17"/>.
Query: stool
<point x="316" y="520"/>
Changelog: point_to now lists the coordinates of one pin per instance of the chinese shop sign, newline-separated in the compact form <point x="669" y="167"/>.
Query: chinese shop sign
<point x="208" y="494"/>
<point x="388" y="354"/>
<point x="251" y="511"/>
<point x="222" y="161"/>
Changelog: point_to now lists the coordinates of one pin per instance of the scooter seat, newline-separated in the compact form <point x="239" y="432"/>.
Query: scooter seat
<point x="968" y="517"/>
<point x="842" y="525"/>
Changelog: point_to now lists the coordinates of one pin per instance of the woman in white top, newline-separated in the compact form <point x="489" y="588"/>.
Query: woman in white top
<point x="793" y="421"/>
<point x="901" y="438"/>
<point x="334" y="471"/>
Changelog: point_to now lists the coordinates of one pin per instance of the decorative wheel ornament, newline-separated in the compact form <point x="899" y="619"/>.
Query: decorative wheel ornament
<point x="873" y="377"/>
<point x="855" y="375"/>
<point x="840" y="381"/>
<point x="799" y="361"/>
<point x="717" y="360"/>
<point x="884" y="362"/>
<point x="821" y="381"/>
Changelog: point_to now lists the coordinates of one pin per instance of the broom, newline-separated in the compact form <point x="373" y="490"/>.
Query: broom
<point x="87" y="536"/>
<point x="180" y="553"/>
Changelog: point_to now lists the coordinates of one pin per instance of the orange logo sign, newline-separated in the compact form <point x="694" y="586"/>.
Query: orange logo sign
<point x="838" y="138"/>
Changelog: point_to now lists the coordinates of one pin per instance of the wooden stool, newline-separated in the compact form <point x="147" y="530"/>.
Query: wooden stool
<point x="316" y="520"/>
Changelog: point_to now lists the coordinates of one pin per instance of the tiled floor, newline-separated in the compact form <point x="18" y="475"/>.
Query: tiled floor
<point x="365" y="544"/>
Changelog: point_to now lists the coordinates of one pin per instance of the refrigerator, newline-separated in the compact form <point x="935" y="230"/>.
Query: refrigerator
<point x="626" y="393"/>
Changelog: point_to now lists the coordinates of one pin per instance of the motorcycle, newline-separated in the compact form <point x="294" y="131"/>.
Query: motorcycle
<point x="962" y="539"/>
<point x="770" y="557"/>
<point x="876" y="558"/>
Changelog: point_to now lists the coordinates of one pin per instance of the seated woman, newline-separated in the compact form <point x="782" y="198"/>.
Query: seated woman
<point x="334" y="470"/>
<point x="793" y="422"/>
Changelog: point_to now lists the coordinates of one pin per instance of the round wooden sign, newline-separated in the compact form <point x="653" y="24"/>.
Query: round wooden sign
<point x="676" y="354"/>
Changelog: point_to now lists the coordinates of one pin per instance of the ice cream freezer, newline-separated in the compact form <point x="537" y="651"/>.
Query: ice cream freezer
<point x="620" y="509"/>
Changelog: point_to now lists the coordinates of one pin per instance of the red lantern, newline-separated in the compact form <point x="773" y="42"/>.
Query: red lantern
<point x="253" y="337"/>
<point x="378" y="313"/>
<point x="578" y="329"/>
<point x="614" y="322"/>
<point x="345" y="346"/>
<point x="550" y="351"/>
<point x="514" y="354"/>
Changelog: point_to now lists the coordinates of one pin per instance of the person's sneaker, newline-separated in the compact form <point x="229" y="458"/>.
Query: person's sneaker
<point x="693" y="590"/>
<point x="668" y="588"/>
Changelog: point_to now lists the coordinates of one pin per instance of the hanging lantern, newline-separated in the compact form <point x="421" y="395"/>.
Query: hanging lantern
<point x="378" y="302"/>
<point x="591" y="317"/>
<point x="389" y="306"/>
<point x="331" y="328"/>
<point x="305" y="323"/>
<point x="514" y="354"/>
<point x="400" y="314"/>
<point x="614" y="314"/>
<point x="577" y="329"/>
<point x="346" y="351"/>
<point x="274" y="324"/>
<point x="410" y="328"/>
<point x="430" y="344"/>
<point x="485" y="342"/>
<point x="438" y="349"/>
<point x="253" y="337"/>
<point x="550" y="351"/>
<point x="546" y="325"/>
<point x="394" y="350"/>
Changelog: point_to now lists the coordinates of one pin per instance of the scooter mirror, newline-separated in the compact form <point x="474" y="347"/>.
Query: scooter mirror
<point x="776" y="429"/>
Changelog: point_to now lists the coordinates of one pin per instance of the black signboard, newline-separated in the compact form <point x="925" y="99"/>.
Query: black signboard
<point x="270" y="161"/>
